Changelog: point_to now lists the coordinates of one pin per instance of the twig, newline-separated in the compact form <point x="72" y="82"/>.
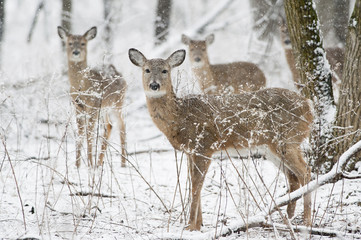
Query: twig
<point x="140" y="174"/>
<point x="349" y="176"/>
<point x="16" y="182"/>
<point x="150" y="150"/>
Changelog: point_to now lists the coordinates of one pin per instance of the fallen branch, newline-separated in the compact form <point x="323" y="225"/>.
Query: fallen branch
<point x="261" y="221"/>
<point x="84" y="194"/>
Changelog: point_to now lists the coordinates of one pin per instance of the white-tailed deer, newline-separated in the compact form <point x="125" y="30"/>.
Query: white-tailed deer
<point x="334" y="55"/>
<point x="219" y="78"/>
<point x="92" y="90"/>
<point x="271" y="121"/>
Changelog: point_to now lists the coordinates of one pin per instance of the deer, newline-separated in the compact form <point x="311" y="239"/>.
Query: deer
<point x="93" y="91"/>
<point x="335" y="56"/>
<point x="219" y="78"/>
<point x="270" y="121"/>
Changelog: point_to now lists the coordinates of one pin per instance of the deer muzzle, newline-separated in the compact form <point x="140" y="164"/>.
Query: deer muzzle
<point x="154" y="86"/>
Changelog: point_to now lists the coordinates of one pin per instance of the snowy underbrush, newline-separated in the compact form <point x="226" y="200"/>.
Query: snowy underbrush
<point x="44" y="195"/>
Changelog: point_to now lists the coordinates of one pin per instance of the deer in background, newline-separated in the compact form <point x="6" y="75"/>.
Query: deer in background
<point x="334" y="55"/>
<point x="93" y="90"/>
<point x="272" y="121"/>
<point x="219" y="78"/>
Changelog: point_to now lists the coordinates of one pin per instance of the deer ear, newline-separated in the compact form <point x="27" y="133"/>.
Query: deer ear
<point x="136" y="57"/>
<point x="90" y="34"/>
<point x="63" y="34"/>
<point x="176" y="58"/>
<point x="210" y="39"/>
<point x="185" y="39"/>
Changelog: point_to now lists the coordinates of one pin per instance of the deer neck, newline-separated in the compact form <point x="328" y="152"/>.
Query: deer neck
<point x="164" y="111"/>
<point x="204" y="75"/>
<point x="76" y="74"/>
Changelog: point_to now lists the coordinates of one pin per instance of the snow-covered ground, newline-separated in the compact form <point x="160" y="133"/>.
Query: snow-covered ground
<point x="43" y="194"/>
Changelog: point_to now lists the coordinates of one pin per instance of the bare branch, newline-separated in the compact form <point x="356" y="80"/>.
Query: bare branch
<point x="197" y="28"/>
<point x="35" y="20"/>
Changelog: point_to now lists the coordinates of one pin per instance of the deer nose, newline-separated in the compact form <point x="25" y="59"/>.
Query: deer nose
<point x="154" y="86"/>
<point x="197" y="59"/>
<point x="76" y="52"/>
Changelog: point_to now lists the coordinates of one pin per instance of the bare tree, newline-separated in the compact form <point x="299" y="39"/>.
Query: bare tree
<point x="308" y="49"/>
<point x="349" y="108"/>
<point x="265" y="17"/>
<point x="162" y="21"/>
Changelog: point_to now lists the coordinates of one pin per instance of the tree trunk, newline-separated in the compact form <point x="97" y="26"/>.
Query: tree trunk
<point x="349" y="109"/>
<point x="66" y="16"/>
<point x="162" y="21"/>
<point x="307" y="46"/>
<point x="108" y="33"/>
<point x="2" y="27"/>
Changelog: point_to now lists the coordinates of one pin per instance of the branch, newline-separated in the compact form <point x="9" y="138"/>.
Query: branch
<point x="209" y="18"/>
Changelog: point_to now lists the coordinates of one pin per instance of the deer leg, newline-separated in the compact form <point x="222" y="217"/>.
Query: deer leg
<point x="304" y="179"/>
<point x="198" y="168"/>
<point x="122" y="132"/>
<point x="294" y="184"/>
<point x="302" y="174"/>
<point x="79" y="138"/>
<point x="90" y="137"/>
<point x="107" y="131"/>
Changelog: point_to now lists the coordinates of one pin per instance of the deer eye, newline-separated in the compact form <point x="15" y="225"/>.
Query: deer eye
<point x="83" y="44"/>
<point x="147" y="70"/>
<point x="70" y="44"/>
<point x="164" y="71"/>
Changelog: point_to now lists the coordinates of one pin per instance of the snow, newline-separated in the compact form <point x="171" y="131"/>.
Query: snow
<point x="149" y="199"/>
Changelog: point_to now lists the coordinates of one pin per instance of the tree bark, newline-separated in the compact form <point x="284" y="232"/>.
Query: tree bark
<point x="162" y="21"/>
<point x="308" y="49"/>
<point x="349" y="109"/>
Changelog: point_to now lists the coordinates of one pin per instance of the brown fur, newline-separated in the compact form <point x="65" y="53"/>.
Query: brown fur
<point x="92" y="90"/>
<point x="217" y="78"/>
<point x="204" y="124"/>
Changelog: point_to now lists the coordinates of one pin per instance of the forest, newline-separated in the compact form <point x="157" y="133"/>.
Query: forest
<point x="168" y="119"/>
